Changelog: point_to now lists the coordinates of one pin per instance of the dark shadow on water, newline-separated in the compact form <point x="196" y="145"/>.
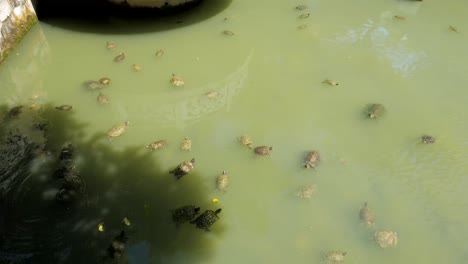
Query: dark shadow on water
<point x="35" y="228"/>
<point x="107" y="18"/>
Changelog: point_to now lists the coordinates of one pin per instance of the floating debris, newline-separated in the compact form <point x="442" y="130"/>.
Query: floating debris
<point x="101" y="227"/>
<point x="215" y="200"/>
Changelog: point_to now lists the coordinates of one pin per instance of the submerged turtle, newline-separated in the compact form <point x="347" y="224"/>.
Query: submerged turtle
<point x="246" y="141"/>
<point x="454" y="29"/>
<point x="102" y="99"/>
<point x="118" y="245"/>
<point x="301" y="7"/>
<point x="207" y="219"/>
<point x="399" y="17"/>
<point x="263" y="150"/>
<point x="177" y="80"/>
<point x="183" y="169"/>
<point x="228" y="33"/>
<point x="110" y="45"/>
<point x="119" y="57"/>
<point x="386" y="239"/>
<point x="159" y="53"/>
<point x="15" y="111"/>
<point x="186" y="144"/>
<point x="93" y="85"/>
<point x="184" y="214"/>
<point x="312" y="159"/>
<point x="306" y="191"/>
<point x="212" y="94"/>
<point x="136" y="68"/>
<point x="64" y="107"/>
<point x="335" y="257"/>
<point x="330" y="82"/>
<point x="105" y="80"/>
<point x="375" y="110"/>
<point x="157" y="145"/>
<point x="426" y="139"/>
<point x="222" y="182"/>
<point x="367" y="215"/>
<point x="304" y="15"/>
<point x="118" y="130"/>
<point x="304" y="26"/>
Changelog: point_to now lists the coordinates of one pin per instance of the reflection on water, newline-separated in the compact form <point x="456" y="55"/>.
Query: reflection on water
<point x="264" y="81"/>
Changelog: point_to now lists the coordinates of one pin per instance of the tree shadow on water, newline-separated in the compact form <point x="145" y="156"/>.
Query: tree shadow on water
<point x="128" y="183"/>
<point x="101" y="16"/>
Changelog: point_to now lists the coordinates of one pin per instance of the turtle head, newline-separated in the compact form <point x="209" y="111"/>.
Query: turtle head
<point x="343" y="254"/>
<point x="197" y="209"/>
<point x="224" y="172"/>
<point x="193" y="160"/>
<point x="127" y="123"/>
<point x="218" y="211"/>
<point x="271" y="148"/>
<point x="307" y="165"/>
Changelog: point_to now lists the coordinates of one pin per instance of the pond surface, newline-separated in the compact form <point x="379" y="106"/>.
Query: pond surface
<point x="266" y="82"/>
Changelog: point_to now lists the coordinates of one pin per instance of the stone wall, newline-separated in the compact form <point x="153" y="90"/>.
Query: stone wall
<point x="16" y="18"/>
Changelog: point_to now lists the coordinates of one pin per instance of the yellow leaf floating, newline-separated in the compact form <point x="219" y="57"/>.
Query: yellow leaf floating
<point x="101" y="227"/>
<point x="125" y="221"/>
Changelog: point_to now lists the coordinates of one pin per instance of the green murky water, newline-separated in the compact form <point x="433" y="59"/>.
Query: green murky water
<point x="268" y="77"/>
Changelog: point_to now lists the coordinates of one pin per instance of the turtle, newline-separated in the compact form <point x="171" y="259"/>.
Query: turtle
<point x="426" y="139"/>
<point x="117" y="130"/>
<point x="375" y="110"/>
<point x="399" y="17"/>
<point x="110" y="45"/>
<point x="177" y="80"/>
<point x="159" y="53"/>
<point x="367" y="215"/>
<point x="105" y="80"/>
<point x="263" y="150"/>
<point x="212" y="94"/>
<point x="453" y="29"/>
<point x="312" y="159"/>
<point x="102" y="98"/>
<point x="66" y="153"/>
<point x="64" y="107"/>
<point x="186" y="144"/>
<point x="119" y="57"/>
<point x="386" y="239"/>
<point x="301" y="7"/>
<point x="304" y="15"/>
<point x="207" y="219"/>
<point x="228" y="33"/>
<point x="330" y="82"/>
<point x="93" y="85"/>
<point x="306" y="191"/>
<point x="335" y="257"/>
<point x="222" y="181"/>
<point x="157" y="145"/>
<point x="246" y="141"/>
<point x="184" y="214"/>
<point x="136" y="68"/>
<point x="15" y="111"/>
<point x="182" y="169"/>
<point x="303" y="26"/>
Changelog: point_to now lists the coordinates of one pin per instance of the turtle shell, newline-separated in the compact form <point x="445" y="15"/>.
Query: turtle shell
<point x="207" y="219"/>
<point x="222" y="182"/>
<point x="184" y="214"/>
<point x="367" y="215"/>
<point x="263" y="150"/>
<point x="117" y="130"/>
<point x="375" y="110"/>
<point x="312" y="159"/>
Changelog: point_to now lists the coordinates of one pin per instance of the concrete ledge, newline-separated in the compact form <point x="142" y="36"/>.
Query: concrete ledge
<point x="16" y="18"/>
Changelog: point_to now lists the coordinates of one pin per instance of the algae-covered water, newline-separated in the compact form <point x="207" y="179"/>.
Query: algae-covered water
<point x="266" y="82"/>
